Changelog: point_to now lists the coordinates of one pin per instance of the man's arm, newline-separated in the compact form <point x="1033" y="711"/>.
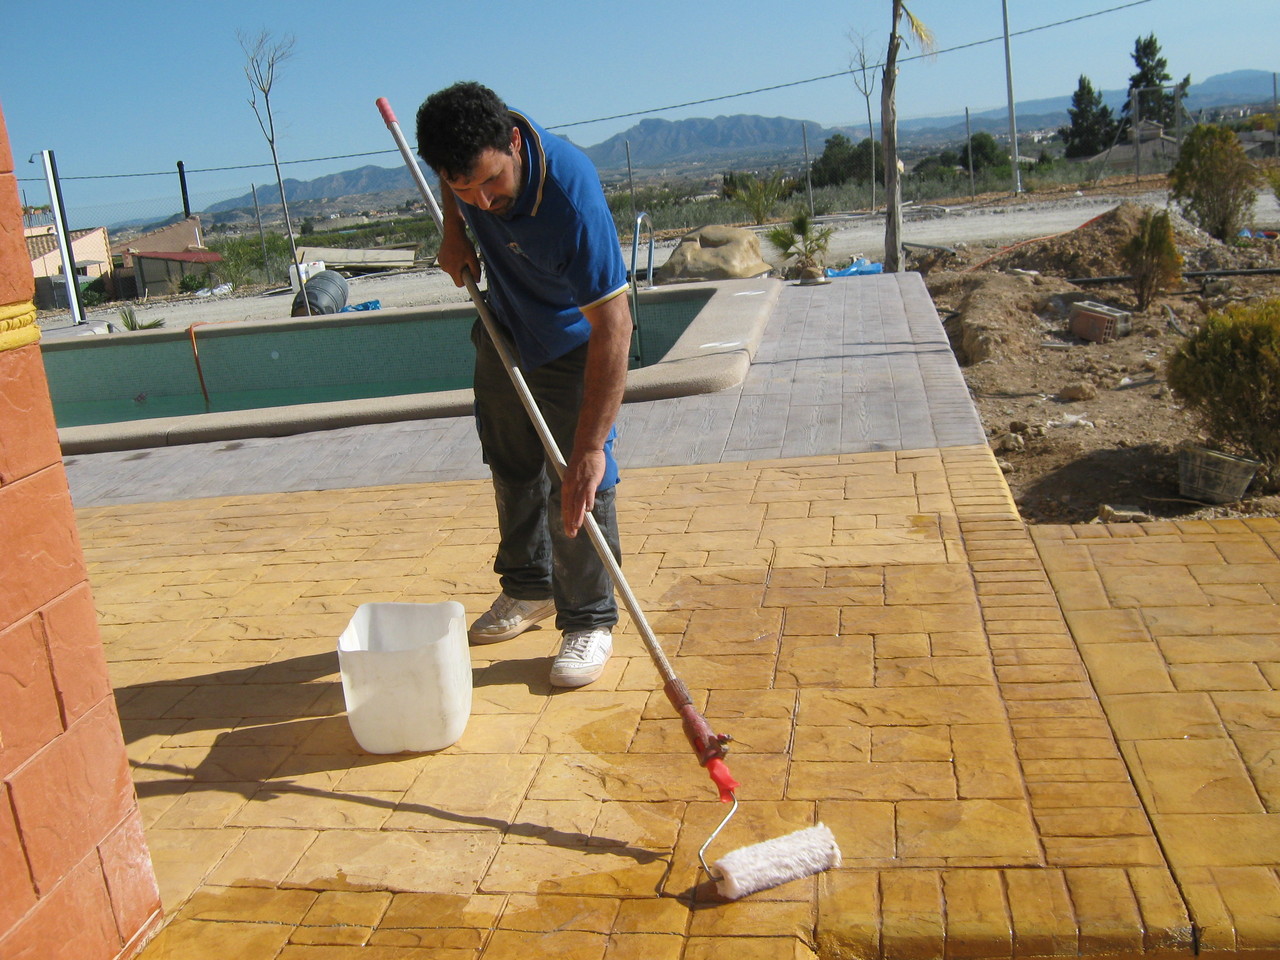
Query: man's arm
<point x="456" y="250"/>
<point x="608" y="351"/>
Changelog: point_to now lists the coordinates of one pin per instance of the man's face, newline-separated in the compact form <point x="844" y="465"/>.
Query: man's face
<point x="494" y="181"/>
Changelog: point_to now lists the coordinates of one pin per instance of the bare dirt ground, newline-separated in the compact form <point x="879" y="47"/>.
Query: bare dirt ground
<point x="1087" y="429"/>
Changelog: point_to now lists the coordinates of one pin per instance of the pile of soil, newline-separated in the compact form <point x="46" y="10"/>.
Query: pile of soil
<point x="1088" y="430"/>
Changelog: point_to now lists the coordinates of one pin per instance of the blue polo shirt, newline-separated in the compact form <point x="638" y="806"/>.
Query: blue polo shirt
<point x="556" y="252"/>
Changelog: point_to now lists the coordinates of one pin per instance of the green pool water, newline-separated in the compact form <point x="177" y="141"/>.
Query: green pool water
<point x="118" y="378"/>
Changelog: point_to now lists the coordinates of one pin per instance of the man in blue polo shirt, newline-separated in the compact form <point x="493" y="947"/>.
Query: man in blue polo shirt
<point x="556" y="285"/>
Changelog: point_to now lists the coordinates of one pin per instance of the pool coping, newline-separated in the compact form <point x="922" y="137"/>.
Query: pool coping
<point x="713" y="354"/>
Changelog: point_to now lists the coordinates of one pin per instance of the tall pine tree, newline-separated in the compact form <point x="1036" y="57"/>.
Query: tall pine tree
<point x="1155" y="102"/>
<point x="1093" y="127"/>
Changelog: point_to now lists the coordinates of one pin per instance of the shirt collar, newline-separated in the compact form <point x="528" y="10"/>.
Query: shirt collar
<point x="535" y="167"/>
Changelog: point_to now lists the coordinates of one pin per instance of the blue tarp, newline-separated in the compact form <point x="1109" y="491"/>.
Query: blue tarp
<point x="367" y="305"/>
<point x="858" y="267"/>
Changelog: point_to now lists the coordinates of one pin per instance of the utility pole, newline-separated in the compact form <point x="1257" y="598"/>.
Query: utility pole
<point x="64" y="237"/>
<point x="1013" y="123"/>
<point x="1136" y="117"/>
<point x="968" y="152"/>
<point x="804" y="134"/>
<point x="182" y="183"/>
<point x="631" y="182"/>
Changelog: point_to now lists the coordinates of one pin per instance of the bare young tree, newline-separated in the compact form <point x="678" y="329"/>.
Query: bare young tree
<point x="860" y="66"/>
<point x="263" y="56"/>
<point x="889" y="133"/>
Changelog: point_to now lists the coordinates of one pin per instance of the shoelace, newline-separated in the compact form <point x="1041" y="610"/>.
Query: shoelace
<point x="502" y="609"/>
<point x="576" y="648"/>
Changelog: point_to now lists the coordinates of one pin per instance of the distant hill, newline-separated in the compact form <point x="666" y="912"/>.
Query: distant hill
<point x="366" y="179"/>
<point x="656" y="143"/>
<point x="741" y="140"/>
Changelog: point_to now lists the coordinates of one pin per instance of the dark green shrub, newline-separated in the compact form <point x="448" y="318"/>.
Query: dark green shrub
<point x="191" y="282"/>
<point x="1214" y="181"/>
<point x="1228" y="374"/>
<point x="1152" y="259"/>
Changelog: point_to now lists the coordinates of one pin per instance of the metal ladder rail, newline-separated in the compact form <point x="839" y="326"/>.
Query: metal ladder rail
<point x="638" y="351"/>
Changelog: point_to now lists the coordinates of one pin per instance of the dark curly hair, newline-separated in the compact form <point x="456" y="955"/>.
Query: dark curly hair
<point x="456" y="124"/>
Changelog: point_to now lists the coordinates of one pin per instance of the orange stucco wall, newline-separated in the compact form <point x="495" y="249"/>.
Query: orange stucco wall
<point x="76" y="881"/>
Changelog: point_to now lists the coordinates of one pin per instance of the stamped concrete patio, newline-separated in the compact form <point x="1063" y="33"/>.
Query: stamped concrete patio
<point x="1049" y="741"/>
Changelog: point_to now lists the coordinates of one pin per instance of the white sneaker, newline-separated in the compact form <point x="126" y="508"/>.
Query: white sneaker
<point x="583" y="654"/>
<point x="509" y="617"/>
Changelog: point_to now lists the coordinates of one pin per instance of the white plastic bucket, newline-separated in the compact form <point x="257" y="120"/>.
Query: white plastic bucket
<point x="406" y="675"/>
<point x="300" y="273"/>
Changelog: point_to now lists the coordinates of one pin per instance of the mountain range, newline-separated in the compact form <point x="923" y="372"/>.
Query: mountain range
<point x="719" y="142"/>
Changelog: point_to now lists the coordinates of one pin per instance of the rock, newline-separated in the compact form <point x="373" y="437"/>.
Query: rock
<point x="1110" y="514"/>
<point x="714" y="253"/>
<point x="1011" y="443"/>
<point x="1018" y="426"/>
<point x="1078" y="391"/>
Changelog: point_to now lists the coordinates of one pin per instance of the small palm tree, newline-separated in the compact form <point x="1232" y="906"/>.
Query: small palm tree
<point x="801" y="241"/>
<point x="129" y="320"/>
<point x="756" y="194"/>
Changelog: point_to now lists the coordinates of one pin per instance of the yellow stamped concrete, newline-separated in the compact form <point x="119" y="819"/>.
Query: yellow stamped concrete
<point x="1055" y="741"/>
<point x="1191" y="609"/>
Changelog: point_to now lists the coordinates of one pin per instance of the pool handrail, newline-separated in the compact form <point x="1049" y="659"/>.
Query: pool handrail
<point x="635" y="281"/>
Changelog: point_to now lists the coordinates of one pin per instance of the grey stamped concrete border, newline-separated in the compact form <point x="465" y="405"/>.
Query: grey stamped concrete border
<point x="714" y="353"/>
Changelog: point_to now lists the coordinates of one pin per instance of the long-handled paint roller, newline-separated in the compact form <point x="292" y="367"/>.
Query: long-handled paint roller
<point x="747" y="869"/>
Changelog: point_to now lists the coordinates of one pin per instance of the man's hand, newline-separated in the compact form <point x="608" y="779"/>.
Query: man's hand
<point x="582" y="476"/>
<point x="456" y="252"/>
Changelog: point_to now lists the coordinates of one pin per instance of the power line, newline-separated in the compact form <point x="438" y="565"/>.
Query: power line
<point x="842" y="73"/>
<point x="651" y="110"/>
<point x="242" y="166"/>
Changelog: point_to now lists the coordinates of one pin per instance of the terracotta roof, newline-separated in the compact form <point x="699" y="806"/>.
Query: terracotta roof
<point x="45" y="243"/>
<point x="186" y="256"/>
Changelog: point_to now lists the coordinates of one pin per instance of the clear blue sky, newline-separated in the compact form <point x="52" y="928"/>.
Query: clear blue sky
<point x="151" y="83"/>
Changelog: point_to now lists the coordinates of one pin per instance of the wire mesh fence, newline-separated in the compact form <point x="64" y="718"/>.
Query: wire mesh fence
<point x="376" y="204"/>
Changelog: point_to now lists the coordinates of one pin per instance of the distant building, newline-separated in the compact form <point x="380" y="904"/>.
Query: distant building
<point x="90" y="253"/>
<point x="1151" y="150"/>
<point x="160" y="272"/>
<point x="180" y="237"/>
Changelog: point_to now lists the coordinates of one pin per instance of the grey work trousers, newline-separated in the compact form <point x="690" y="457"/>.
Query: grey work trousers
<point x="535" y="559"/>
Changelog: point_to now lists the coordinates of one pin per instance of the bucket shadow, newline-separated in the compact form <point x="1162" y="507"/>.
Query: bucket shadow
<point x="246" y="759"/>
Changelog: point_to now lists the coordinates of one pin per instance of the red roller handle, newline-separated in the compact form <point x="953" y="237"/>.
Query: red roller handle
<point x="708" y="745"/>
<point x="723" y="779"/>
<point x="384" y="108"/>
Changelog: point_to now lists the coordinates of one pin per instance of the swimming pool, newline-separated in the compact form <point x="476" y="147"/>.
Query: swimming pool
<point x="265" y="378"/>
<point x="216" y="367"/>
